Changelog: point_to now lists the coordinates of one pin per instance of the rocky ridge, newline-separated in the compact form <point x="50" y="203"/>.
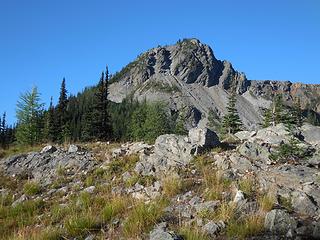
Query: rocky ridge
<point x="189" y="78"/>
<point x="219" y="192"/>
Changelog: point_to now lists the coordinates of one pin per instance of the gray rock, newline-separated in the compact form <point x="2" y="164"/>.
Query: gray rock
<point x="303" y="205"/>
<point x="90" y="237"/>
<point x="89" y="189"/>
<point x="254" y="151"/>
<point x="279" y="222"/>
<point x="43" y="166"/>
<point x="203" y="138"/>
<point x="315" y="159"/>
<point x="212" y="228"/>
<point x="21" y="199"/>
<point x="160" y="233"/>
<point x="73" y="148"/>
<point x="208" y="206"/>
<point x="170" y="151"/>
<point x="311" y="134"/>
<point x="239" y="197"/>
<point x="245" y="135"/>
<point x="48" y="149"/>
<point x="316" y="230"/>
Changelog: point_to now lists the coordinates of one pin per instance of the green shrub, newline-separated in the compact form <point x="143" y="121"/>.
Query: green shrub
<point x="290" y="152"/>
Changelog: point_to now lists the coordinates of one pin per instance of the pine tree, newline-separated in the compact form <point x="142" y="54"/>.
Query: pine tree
<point x="50" y="124"/>
<point x="267" y="120"/>
<point x="231" y="122"/>
<point x="156" y="123"/>
<point x="106" y="123"/>
<point x="29" y="112"/>
<point x="62" y="115"/>
<point x="3" y="130"/>
<point x="101" y="120"/>
<point x="278" y="110"/>
<point x="296" y="113"/>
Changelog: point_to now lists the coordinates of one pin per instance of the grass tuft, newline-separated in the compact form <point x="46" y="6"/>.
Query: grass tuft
<point x="172" y="185"/>
<point x="31" y="188"/>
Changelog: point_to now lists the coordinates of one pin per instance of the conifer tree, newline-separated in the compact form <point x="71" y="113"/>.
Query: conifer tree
<point x="50" y="124"/>
<point x="101" y="121"/>
<point x="296" y="113"/>
<point x="267" y="120"/>
<point x="3" y="130"/>
<point x="62" y="115"/>
<point x="231" y="122"/>
<point x="29" y="112"/>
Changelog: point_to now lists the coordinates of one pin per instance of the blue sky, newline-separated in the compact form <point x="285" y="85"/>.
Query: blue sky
<point x="43" y="41"/>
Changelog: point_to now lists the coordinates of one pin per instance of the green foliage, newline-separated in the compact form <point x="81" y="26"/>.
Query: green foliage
<point x="290" y="152"/>
<point x="280" y="113"/>
<point x="149" y="121"/>
<point x="31" y="188"/>
<point x="29" y="114"/>
<point x="231" y="122"/>
<point x="214" y="121"/>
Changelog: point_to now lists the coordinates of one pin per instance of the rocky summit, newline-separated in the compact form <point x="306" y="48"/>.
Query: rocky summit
<point x="263" y="185"/>
<point x="188" y="77"/>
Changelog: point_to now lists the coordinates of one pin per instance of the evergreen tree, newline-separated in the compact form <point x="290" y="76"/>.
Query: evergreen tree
<point x="267" y="120"/>
<point x="137" y="124"/>
<point x="231" y="122"/>
<point x="62" y="115"/>
<point x="101" y="121"/>
<point x="50" y="124"/>
<point x="179" y="127"/>
<point x="3" y="130"/>
<point x="296" y="113"/>
<point x="278" y="111"/>
<point x="29" y="113"/>
<point x="156" y="123"/>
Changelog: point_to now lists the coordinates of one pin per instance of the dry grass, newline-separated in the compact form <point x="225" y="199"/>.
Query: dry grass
<point x="251" y="226"/>
<point x="142" y="217"/>
<point x="172" y="185"/>
<point x="215" y="186"/>
<point x="266" y="202"/>
<point x="193" y="233"/>
<point x="19" y="149"/>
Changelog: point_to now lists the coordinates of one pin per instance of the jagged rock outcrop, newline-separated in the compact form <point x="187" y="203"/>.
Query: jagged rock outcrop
<point x="44" y="165"/>
<point x="171" y="151"/>
<point x="189" y="78"/>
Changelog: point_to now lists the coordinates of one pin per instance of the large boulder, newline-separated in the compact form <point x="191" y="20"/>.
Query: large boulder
<point x="203" y="138"/>
<point x="311" y="134"/>
<point x="279" y="222"/>
<point x="48" y="149"/>
<point x="170" y="151"/>
<point x="303" y="204"/>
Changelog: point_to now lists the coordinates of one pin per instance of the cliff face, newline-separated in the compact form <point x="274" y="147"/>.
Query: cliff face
<point x="188" y="77"/>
